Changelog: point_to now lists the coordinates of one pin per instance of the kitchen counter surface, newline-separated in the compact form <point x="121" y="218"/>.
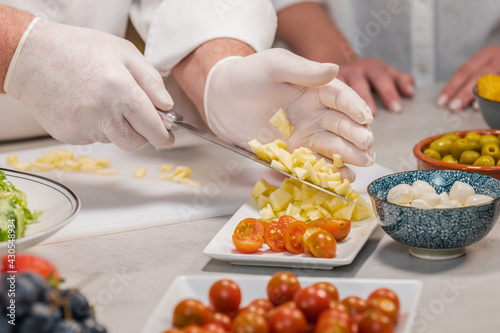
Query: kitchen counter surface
<point x="125" y="274"/>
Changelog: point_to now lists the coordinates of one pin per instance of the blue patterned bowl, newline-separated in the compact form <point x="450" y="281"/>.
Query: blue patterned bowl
<point x="436" y="233"/>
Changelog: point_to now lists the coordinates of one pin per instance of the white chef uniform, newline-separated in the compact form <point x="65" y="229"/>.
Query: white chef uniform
<point x="173" y="28"/>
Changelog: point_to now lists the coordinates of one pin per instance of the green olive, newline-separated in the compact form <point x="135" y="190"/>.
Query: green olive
<point x="472" y="136"/>
<point x="452" y="136"/>
<point x="458" y="147"/>
<point x="488" y="138"/>
<point x="474" y="145"/>
<point x="492" y="150"/>
<point x="485" y="160"/>
<point x="449" y="159"/>
<point x="442" y="146"/>
<point x="432" y="153"/>
<point x="469" y="157"/>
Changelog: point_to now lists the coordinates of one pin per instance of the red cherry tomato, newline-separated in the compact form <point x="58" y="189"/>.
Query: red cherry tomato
<point x="255" y="309"/>
<point x="263" y="303"/>
<point x="293" y="236"/>
<point x="222" y="320"/>
<point x="250" y="226"/>
<point x="190" y="312"/>
<point x="287" y="319"/>
<point x="193" y="329"/>
<point x="225" y="296"/>
<point x="385" y="293"/>
<point x="354" y="304"/>
<point x="312" y="301"/>
<point x="287" y="220"/>
<point x="213" y="328"/>
<point x="247" y="243"/>
<point x="385" y="306"/>
<point x="322" y="244"/>
<point x="273" y="236"/>
<point x="374" y="322"/>
<point x="330" y="289"/>
<point x="281" y="287"/>
<point x="334" y="321"/>
<point x="250" y="322"/>
<point x="339" y="228"/>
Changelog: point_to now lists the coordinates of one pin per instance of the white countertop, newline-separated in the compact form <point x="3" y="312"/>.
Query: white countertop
<point x="125" y="274"/>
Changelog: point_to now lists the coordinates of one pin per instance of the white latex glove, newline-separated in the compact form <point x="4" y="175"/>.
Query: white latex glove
<point x="242" y="94"/>
<point x="87" y="86"/>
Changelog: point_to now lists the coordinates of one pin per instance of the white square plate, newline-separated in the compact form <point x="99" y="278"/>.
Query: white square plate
<point x="253" y="287"/>
<point x="221" y="247"/>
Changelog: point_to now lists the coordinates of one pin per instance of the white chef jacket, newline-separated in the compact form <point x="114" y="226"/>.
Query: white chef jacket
<point x="427" y="38"/>
<point x="171" y="29"/>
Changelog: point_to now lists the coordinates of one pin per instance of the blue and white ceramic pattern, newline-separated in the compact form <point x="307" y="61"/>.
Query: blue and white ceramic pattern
<point x="444" y="232"/>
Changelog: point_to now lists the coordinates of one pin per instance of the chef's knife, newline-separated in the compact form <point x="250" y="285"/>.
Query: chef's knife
<point x="173" y="121"/>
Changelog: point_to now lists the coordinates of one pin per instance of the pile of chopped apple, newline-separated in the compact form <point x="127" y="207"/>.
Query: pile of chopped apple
<point x="298" y="199"/>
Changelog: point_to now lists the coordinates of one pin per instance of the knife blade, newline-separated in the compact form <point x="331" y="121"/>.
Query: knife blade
<point x="174" y="121"/>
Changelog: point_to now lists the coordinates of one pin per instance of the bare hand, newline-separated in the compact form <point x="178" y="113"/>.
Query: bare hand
<point x="364" y="74"/>
<point x="457" y="94"/>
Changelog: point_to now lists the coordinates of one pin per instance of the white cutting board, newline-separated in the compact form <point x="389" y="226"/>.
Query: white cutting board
<point x="112" y="204"/>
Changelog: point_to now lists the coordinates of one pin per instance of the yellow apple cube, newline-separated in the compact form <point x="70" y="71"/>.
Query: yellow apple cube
<point x="280" y="199"/>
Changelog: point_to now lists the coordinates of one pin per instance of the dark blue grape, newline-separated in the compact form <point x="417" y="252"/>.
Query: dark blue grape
<point x="43" y="288"/>
<point x="5" y="327"/>
<point x="90" y="325"/>
<point x="78" y="303"/>
<point x="25" y="296"/>
<point x="68" y="326"/>
<point x="42" y="318"/>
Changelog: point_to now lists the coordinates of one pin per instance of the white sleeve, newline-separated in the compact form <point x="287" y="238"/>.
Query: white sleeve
<point x="280" y="4"/>
<point x="174" y="28"/>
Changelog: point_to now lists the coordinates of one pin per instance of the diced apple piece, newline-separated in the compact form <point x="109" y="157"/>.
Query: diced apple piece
<point x="42" y="166"/>
<point x="285" y="158"/>
<point x="314" y="214"/>
<point x="23" y="166"/>
<point x="343" y="188"/>
<point x="140" y="172"/>
<point x="301" y="172"/>
<point x="337" y="161"/>
<point x="279" y="119"/>
<point x="308" y="204"/>
<point x="279" y="166"/>
<point x="260" y="187"/>
<point x="333" y="184"/>
<point x="286" y="131"/>
<point x="166" y="167"/>
<point x="345" y="212"/>
<point x="12" y="159"/>
<point x="320" y="197"/>
<point x="262" y="200"/>
<point x="258" y="149"/>
<point x="319" y="164"/>
<point x="280" y="199"/>
<point x="267" y="212"/>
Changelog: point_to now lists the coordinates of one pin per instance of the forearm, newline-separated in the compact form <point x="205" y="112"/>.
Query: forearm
<point x="308" y="31"/>
<point x="191" y="73"/>
<point x="13" y="23"/>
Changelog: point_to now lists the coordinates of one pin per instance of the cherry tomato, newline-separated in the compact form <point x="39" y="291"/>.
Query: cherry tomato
<point x="355" y="304"/>
<point x="250" y="322"/>
<point x="213" y="327"/>
<point x="250" y="226"/>
<point x="385" y="306"/>
<point x="339" y="228"/>
<point x="221" y="319"/>
<point x="263" y="303"/>
<point x="312" y="301"/>
<point x="281" y="287"/>
<point x="330" y="289"/>
<point x="287" y="319"/>
<point x="293" y="236"/>
<point x="266" y="222"/>
<point x="255" y="309"/>
<point x="322" y="244"/>
<point x="193" y="329"/>
<point x="247" y="243"/>
<point x="287" y="220"/>
<point x="273" y="236"/>
<point x="333" y="321"/>
<point x="174" y="330"/>
<point x="190" y="312"/>
<point x="385" y="293"/>
<point x="374" y="322"/>
<point x="224" y="296"/>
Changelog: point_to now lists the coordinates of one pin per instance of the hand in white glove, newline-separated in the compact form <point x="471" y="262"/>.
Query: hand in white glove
<point x="87" y="86"/>
<point x="242" y="94"/>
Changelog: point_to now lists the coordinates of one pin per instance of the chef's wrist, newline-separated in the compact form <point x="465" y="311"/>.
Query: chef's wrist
<point x="13" y="24"/>
<point x="191" y="73"/>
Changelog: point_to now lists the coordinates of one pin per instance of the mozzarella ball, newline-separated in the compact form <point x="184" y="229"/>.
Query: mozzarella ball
<point x="419" y="203"/>
<point x="401" y="194"/>
<point x="421" y="187"/>
<point x="432" y="199"/>
<point x="461" y="191"/>
<point x="444" y="197"/>
<point x="477" y="199"/>
<point x="449" y="204"/>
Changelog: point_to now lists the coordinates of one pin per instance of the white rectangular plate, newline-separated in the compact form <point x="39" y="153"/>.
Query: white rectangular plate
<point x="221" y="247"/>
<point x="253" y="287"/>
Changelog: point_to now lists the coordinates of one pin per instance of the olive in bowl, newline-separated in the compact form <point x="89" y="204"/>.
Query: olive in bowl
<point x="472" y="150"/>
<point x="436" y="233"/>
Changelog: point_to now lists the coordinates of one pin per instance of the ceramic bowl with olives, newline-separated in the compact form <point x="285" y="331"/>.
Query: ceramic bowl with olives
<point x="473" y="150"/>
